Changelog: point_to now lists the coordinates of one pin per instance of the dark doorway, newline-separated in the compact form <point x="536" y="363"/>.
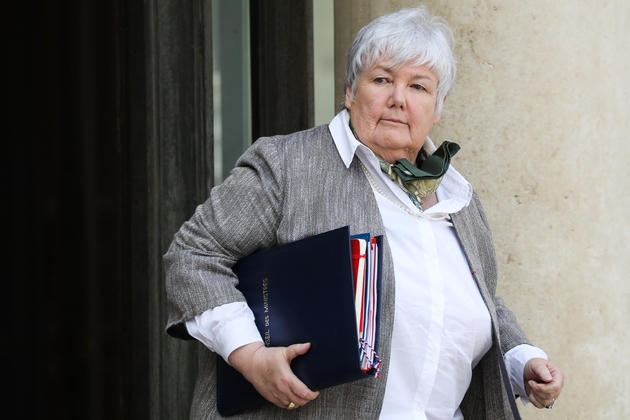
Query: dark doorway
<point x="282" y="66"/>
<point x="101" y="168"/>
<point x="59" y="97"/>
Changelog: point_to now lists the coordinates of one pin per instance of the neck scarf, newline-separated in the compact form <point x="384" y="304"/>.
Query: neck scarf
<point x="422" y="179"/>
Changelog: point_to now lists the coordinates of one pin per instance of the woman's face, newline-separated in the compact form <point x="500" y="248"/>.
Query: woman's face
<point x="394" y="109"/>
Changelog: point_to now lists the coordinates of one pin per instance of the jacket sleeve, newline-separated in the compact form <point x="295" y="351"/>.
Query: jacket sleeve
<point x="240" y="217"/>
<point x="510" y="332"/>
<point x="476" y="238"/>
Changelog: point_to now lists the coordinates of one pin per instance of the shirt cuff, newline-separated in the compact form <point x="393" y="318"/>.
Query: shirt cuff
<point x="225" y="328"/>
<point x="515" y="361"/>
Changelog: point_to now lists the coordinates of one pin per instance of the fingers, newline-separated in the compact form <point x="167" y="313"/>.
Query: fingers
<point x="299" y="394"/>
<point x="297" y="350"/>
<point x="537" y="369"/>
<point x="541" y="370"/>
<point x="545" y="392"/>
<point x="544" y="382"/>
<point x="286" y="390"/>
<point x="269" y="370"/>
<point x="540" y="395"/>
<point x="557" y="376"/>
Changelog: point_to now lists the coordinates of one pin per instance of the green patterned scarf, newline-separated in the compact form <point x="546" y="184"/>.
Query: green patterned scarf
<point x="422" y="179"/>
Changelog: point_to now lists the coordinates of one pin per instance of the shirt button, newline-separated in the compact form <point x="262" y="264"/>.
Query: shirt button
<point x="419" y="407"/>
<point x="433" y="261"/>
<point x="432" y="358"/>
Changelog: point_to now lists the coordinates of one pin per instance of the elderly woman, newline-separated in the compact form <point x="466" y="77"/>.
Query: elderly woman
<point x="443" y="331"/>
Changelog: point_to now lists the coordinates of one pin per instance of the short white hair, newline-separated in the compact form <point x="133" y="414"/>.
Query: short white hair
<point x="408" y="36"/>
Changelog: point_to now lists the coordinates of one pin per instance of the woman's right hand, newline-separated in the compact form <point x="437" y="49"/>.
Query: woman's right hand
<point x="269" y="370"/>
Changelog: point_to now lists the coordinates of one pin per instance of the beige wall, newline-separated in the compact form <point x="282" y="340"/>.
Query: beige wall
<point x="541" y="109"/>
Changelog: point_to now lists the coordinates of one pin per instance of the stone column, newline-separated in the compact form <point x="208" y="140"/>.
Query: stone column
<point x="540" y="108"/>
<point x="165" y="167"/>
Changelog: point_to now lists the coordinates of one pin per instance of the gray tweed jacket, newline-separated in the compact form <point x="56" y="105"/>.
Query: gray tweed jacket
<point x="289" y="187"/>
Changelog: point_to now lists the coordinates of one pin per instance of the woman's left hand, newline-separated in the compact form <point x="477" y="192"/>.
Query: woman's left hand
<point x="543" y="382"/>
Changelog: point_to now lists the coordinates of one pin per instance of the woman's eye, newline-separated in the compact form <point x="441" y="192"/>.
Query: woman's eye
<point x="417" y="87"/>
<point x="380" y="80"/>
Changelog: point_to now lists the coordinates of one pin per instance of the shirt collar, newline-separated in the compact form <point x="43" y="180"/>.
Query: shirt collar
<point x="453" y="187"/>
<point x="344" y="140"/>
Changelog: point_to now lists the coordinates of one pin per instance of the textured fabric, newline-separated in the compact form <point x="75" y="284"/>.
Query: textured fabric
<point x="424" y="180"/>
<point x="290" y="194"/>
<point x="433" y="166"/>
<point x="416" y="190"/>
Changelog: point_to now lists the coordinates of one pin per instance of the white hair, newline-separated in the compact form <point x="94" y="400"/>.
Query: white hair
<point x="408" y="36"/>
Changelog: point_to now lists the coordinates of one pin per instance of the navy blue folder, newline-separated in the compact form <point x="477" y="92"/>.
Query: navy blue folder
<point x="300" y="292"/>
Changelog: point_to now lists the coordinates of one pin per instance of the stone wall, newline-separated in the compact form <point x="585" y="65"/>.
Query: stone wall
<point x="541" y="109"/>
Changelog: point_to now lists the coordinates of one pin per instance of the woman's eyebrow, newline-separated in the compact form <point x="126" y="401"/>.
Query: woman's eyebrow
<point x="425" y="77"/>
<point x="390" y="70"/>
<point x="386" y="69"/>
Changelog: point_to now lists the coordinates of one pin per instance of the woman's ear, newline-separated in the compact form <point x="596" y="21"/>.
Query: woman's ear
<point x="348" y="101"/>
<point x="436" y="117"/>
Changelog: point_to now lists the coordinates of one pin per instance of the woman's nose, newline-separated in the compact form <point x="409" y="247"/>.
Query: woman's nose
<point x="397" y="95"/>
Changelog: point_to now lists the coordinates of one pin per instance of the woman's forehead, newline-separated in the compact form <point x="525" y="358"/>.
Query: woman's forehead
<point x="410" y="68"/>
